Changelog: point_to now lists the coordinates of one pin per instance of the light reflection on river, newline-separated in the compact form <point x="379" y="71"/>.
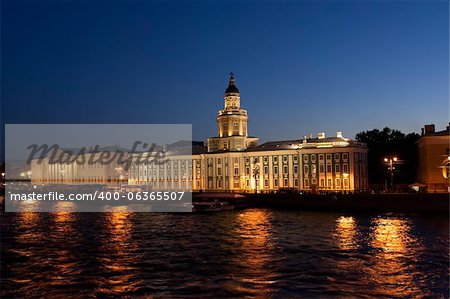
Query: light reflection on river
<point x="254" y="252"/>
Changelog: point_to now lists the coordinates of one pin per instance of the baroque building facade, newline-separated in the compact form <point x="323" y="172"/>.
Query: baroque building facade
<point x="234" y="162"/>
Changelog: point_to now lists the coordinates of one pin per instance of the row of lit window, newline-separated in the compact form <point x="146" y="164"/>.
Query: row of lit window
<point x="338" y="183"/>
<point x="329" y="183"/>
<point x="337" y="157"/>
<point x="337" y="168"/>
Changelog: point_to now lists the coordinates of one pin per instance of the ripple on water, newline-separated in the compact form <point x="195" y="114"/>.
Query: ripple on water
<point x="255" y="252"/>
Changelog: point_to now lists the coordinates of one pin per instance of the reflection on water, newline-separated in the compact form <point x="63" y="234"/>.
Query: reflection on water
<point x="391" y="236"/>
<point x="119" y="258"/>
<point x="64" y="260"/>
<point x="255" y="253"/>
<point x="255" y="234"/>
<point x="29" y="206"/>
<point x="391" y="269"/>
<point x="346" y="232"/>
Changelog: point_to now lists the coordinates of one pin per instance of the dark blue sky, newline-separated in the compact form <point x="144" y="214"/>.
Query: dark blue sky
<point x="302" y="67"/>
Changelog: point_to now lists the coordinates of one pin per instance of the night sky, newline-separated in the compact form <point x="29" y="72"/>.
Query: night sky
<point x="302" y="67"/>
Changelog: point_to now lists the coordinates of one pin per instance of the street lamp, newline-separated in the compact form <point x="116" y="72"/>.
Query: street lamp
<point x="391" y="161"/>
<point x="256" y="174"/>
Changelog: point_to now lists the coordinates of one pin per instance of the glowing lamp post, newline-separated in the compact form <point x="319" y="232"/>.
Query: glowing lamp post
<point x="391" y="161"/>
<point x="256" y="174"/>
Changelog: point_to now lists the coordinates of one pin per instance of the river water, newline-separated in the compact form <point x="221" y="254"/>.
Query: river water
<point x="253" y="252"/>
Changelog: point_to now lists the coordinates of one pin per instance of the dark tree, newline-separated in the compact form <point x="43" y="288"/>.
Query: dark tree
<point x="385" y="143"/>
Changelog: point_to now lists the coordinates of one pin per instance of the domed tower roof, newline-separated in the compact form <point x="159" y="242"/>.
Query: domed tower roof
<point x="232" y="88"/>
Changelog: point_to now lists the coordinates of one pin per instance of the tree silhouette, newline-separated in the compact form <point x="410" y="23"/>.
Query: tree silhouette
<point x="390" y="142"/>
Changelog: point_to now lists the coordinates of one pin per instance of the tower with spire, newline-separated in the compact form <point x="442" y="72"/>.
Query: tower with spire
<point x="232" y="123"/>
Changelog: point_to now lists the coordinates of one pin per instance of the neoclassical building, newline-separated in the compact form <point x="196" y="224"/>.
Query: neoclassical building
<point x="434" y="159"/>
<point x="234" y="162"/>
<point x="85" y="167"/>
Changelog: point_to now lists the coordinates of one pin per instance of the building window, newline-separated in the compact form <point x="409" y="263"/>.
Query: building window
<point x="275" y="182"/>
<point x="446" y="169"/>
<point x="338" y="168"/>
<point x="337" y="157"/>
<point x="328" y="157"/>
<point x="345" y="157"/>
<point x="322" y="182"/>
<point x="236" y="171"/>
<point x="247" y="160"/>
<point x="314" y="181"/>
<point x="236" y="128"/>
<point x="321" y="157"/>
<point x="285" y="169"/>
<point x="275" y="159"/>
<point x="236" y="160"/>
<point x="266" y="170"/>
<point x="295" y="169"/>
<point x="285" y="182"/>
<point x="219" y="161"/>
<point x="321" y="168"/>
<point x="313" y="158"/>
<point x="295" y="182"/>
<point x="247" y="170"/>
<point x="219" y="171"/>
<point x="329" y="168"/>
<point x="330" y="183"/>
<point x="275" y="169"/>
<point x="313" y="169"/>
<point x="295" y="158"/>
<point x="338" y="183"/>
<point x="266" y="183"/>
<point x="219" y="184"/>
<point x="305" y="158"/>
<point x="236" y="184"/>
<point x="266" y="160"/>
<point x="345" y="168"/>
<point x="306" y="183"/>
<point x="306" y="170"/>
<point x="247" y="182"/>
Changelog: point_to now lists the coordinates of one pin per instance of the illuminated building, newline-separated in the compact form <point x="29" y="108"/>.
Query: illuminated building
<point x="434" y="159"/>
<point x="230" y="162"/>
<point x="234" y="162"/>
<point x="51" y="170"/>
<point x="232" y="124"/>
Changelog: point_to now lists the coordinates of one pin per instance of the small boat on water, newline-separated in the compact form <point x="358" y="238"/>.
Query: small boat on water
<point x="211" y="206"/>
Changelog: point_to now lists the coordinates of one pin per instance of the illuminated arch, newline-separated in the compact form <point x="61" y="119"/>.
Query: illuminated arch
<point x="445" y="165"/>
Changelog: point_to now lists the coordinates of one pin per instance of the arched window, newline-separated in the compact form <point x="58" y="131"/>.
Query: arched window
<point x="446" y="168"/>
